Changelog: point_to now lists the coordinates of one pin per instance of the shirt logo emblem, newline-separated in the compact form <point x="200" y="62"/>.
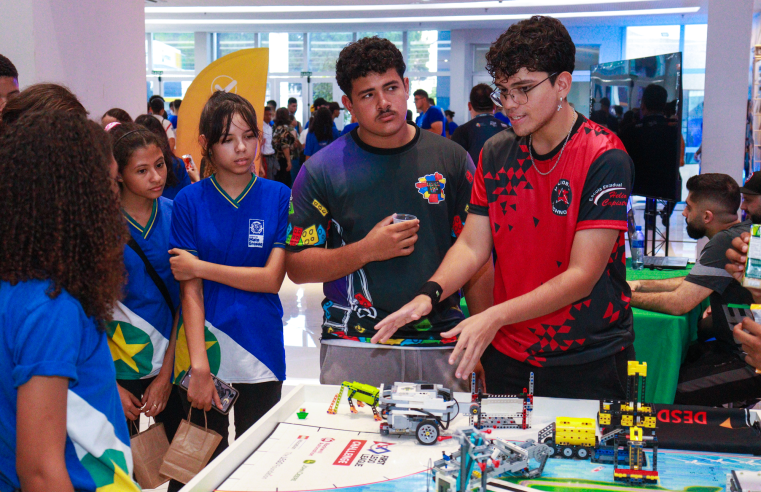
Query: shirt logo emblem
<point x="319" y="206"/>
<point x="431" y="186"/>
<point x="255" y="233"/>
<point x="561" y="197"/>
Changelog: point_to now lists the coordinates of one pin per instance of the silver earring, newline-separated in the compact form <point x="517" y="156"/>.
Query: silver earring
<point x="560" y="105"/>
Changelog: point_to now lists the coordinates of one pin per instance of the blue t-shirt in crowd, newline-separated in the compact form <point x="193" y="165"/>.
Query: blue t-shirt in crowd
<point x="451" y="127"/>
<point x="349" y="128"/>
<point x="183" y="179"/>
<point x="313" y="145"/>
<point x="434" y="114"/>
<point x="244" y="330"/>
<point x="173" y="120"/>
<point x="54" y="338"/>
<point x="142" y="325"/>
<point x="501" y="117"/>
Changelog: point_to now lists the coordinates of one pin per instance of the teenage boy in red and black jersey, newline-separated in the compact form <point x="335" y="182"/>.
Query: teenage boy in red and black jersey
<point x="550" y="196"/>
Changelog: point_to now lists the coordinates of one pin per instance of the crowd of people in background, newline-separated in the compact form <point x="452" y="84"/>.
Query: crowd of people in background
<point x="124" y="269"/>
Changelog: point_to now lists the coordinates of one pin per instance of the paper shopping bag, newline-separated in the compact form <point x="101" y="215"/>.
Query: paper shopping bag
<point x="148" y="450"/>
<point x="190" y="451"/>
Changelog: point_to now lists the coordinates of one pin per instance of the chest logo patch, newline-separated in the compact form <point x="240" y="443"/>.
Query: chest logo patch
<point x="255" y="233"/>
<point x="431" y="186"/>
<point x="561" y="197"/>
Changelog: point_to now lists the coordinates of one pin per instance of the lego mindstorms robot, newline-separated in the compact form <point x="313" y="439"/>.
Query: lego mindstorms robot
<point x="418" y="409"/>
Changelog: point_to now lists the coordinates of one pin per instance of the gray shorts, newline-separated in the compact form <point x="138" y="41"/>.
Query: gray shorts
<point x="374" y="366"/>
<point x="272" y="166"/>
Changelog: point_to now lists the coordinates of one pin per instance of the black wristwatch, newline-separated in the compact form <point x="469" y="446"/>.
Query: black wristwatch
<point x="432" y="290"/>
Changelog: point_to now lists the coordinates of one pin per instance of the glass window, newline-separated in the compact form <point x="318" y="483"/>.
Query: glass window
<point x="442" y="92"/>
<point x="695" y="37"/>
<point x="642" y="41"/>
<point x="324" y="48"/>
<point x="428" y="84"/>
<point x="230" y="42"/>
<point x="423" y="55"/>
<point x="693" y="114"/>
<point x="289" y="90"/>
<point x="286" y="51"/>
<point x="393" y="36"/>
<point x="586" y="56"/>
<point x="323" y="90"/>
<point x="444" y="50"/>
<point x="479" y="57"/>
<point x="175" y="89"/>
<point x="173" y="51"/>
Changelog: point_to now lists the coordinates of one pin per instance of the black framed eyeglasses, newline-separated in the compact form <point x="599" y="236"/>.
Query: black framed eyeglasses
<point x="519" y="94"/>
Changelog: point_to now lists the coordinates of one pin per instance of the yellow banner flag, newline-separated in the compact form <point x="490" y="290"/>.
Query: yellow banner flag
<point x="244" y="73"/>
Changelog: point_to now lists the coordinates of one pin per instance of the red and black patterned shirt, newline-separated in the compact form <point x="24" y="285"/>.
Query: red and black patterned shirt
<point x="534" y="220"/>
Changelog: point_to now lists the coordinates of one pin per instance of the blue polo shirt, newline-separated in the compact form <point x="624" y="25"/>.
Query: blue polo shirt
<point x="40" y="336"/>
<point x="183" y="180"/>
<point x="244" y="330"/>
<point x="139" y="334"/>
<point x="434" y="114"/>
<point x="313" y="145"/>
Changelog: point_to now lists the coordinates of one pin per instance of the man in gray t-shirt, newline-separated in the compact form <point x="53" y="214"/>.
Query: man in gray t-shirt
<point x="713" y="373"/>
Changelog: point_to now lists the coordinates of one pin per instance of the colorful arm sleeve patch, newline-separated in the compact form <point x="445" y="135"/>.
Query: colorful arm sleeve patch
<point x="309" y="217"/>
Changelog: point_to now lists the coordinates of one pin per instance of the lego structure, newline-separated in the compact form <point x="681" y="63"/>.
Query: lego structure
<point x="482" y="459"/>
<point x="629" y="425"/>
<point x="519" y="419"/>
<point x="570" y="437"/>
<point x="364" y="393"/>
<point x="418" y="409"/>
<point x="743" y="481"/>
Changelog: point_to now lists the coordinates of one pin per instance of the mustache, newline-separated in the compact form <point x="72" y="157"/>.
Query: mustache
<point x="384" y="112"/>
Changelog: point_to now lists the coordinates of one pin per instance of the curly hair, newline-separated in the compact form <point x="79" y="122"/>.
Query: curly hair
<point x="216" y="118"/>
<point x="154" y="125"/>
<point x="42" y="97"/>
<point x="367" y="55"/>
<point x="323" y="125"/>
<point x="538" y="44"/>
<point x="62" y="220"/>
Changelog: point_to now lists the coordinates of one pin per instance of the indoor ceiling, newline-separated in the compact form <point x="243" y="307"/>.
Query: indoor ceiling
<point x="384" y="15"/>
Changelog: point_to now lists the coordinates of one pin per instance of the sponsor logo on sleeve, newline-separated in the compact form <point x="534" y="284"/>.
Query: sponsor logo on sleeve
<point x="610" y="195"/>
<point x="255" y="233"/>
<point x="349" y="453"/>
<point x="320" y="208"/>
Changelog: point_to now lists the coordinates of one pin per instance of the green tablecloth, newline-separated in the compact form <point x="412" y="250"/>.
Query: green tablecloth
<point x="661" y="340"/>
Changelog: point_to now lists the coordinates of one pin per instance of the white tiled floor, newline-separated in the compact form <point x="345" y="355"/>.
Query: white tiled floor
<point x="302" y="313"/>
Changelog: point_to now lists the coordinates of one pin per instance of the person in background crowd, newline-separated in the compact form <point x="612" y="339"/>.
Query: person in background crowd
<point x="115" y="115"/>
<point x="272" y="104"/>
<point x="157" y="109"/>
<point x="604" y="117"/>
<point x="305" y="132"/>
<point x="499" y="113"/>
<point x="451" y="126"/>
<point x="554" y="246"/>
<point x="8" y="81"/>
<point x="321" y="133"/>
<point x="42" y="98"/>
<point x="352" y="125"/>
<point x="367" y="264"/>
<point x="320" y="102"/>
<point x="431" y="118"/>
<point x="62" y="426"/>
<point x="409" y="117"/>
<point x="230" y="275"/>
<point x="713" y="372"/>
<point x="144" y="317"/>
<point x="174" y="107"/>
<point x="293" y="106"/>
<point x="482" y="125"/>
<point x="296" y="158"/>
<point x="269" y="160"/>
<point x="284" y="143"/>
<point x="178" y="174"/>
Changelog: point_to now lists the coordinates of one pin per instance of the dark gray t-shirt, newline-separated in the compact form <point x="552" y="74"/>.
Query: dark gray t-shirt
<point x="344" y="190"/>
<point x="709" y="272"/>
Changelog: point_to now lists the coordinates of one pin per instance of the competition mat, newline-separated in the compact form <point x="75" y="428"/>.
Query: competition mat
<point x="346" y="452"/>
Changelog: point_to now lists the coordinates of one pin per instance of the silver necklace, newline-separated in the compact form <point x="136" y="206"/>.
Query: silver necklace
<point x="531" y="154"/>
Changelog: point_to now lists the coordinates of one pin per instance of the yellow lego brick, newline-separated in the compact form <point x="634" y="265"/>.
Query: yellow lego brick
<point x="649" y="422"/>
<point x="635" y="434"/>
<point x="635" y="368"/>
<point x="604" y="418"/>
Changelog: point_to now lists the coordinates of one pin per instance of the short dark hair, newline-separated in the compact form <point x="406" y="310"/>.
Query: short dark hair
<point x="7" y="68"/>
<point x="157" y="105"/>
<point x="420" y="92"/>
<point x="42" y="97"/>
<point x="538" y="44"/>
<point x="155" y="126"/>
<point x="334" y="106"/>
<point x="654" y="98"/>
<point x="365" y="56"/>
<point x="216" y="118"/>
<point x="449" y="112"/>
<point x="175" y="104"/>
<point x="718" y="188"/>
<point x="272" y="102"/>
<point x="432" y="101"/>
<point x="281" y="116"/>
<point x="480" y="98"/>
<point x="292" y="100"/>
<point x="320" y="101"/>
<point x="605" y="102"/>
<point x="119" y="115"/>
<point x="267" y="108"/>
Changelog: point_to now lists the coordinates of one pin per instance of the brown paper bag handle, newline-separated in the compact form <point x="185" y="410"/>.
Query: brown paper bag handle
<point x="205" y="421"/>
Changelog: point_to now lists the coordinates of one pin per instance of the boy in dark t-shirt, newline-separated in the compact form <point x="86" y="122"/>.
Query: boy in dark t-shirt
<point x="342" y="233"/>
<point x="550" y="197"/>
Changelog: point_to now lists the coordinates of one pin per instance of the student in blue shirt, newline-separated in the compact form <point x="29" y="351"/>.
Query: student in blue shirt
<point x="321" y="133"/>
<point x="431" y="117"/>
<point x="62" y="427"/>
<point x="142" y="335"/>
<point x="228" y="235"/>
